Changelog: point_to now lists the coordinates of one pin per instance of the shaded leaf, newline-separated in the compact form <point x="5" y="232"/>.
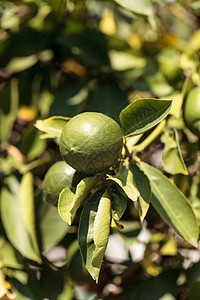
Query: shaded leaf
<point x="71" y="198"/>
<point x="31" y="143"/>
<point x="172" y="157"/>
<point x="143" y="186"/>
<point x="52" y="228"/>
<point x="118" y="203"/>
<point x="13" y="221"/>
<point x="143" y="114"/>
<point x="172" y="205"/>
<point x="108" y="98"/>
<point x="28" y="208"/>
<point x="125" y="180"/>
<point x="52" y="125"/>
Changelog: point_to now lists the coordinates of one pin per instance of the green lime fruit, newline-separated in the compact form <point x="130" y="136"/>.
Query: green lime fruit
<point x="91" y="142"/>
<point x="191" y="111"/>
<point x="59" y="176"/>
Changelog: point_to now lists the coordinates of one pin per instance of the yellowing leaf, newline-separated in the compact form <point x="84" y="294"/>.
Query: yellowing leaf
<point x="52" y="126"/>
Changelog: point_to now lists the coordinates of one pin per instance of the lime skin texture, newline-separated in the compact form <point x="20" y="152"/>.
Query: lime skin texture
<point x="91" y="142"/>
<point x="59" y="176"/>
<point x="192" y="111"/>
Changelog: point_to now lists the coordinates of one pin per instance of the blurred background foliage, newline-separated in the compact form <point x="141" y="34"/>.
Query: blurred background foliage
<point x="64" y="57"/>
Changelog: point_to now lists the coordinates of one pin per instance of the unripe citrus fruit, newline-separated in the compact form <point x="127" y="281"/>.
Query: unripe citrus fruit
<point x="91" y="142"/>
<point x="59" y="176"/>
<point x="192" y="111"/>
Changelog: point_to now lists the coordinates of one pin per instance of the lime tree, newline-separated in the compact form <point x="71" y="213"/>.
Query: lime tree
<point x="91" y="142"/>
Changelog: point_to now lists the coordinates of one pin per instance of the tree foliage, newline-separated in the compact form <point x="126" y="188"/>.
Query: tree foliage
<point x="134" y="229"/>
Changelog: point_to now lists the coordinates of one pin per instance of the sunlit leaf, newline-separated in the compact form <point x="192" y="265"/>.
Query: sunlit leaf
<point x="101" y="232"/>
<point x="70" y="198"/>
<point x="125" y="180"/>
<point x="3" y="289"/>
<point x="142" y="7"/>
<point x="52" y="125"/>
<point x="172" y="157"/>
<point x="18" y="64"/>
<point x="94" y="231"/>
<point x="9" y="256"/>
<point x="172" y="205"/>
<point x="13" y="220"/>
<point x="28" y="207"/>
<point x="143" y="114"/>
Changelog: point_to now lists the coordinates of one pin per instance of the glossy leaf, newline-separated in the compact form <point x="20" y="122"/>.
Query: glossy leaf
<point x="13" y="220"/>
<point x="118" y="203"/>
<point x="172" y="205"/>
<point x="143" y="114"/>
<point x="143" y="7"/>
<point x="125" y="180"/>
<point x="94" y="231"/>
<point x="143" y="186"/>
<point x="172" y="157"/>
<point x="52" y="125"/>
<point x="28" y="208"/>
<point x="70" y="198"/>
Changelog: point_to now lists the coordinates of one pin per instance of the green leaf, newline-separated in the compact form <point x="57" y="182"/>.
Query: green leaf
<point x="94" y="231"/>
<point x="143" y="114"/>
<point x="3" y="289"/>
<point x="101" y="232"/>
<point x="8" y="108"/>
<point x="31" y="144"/>
<point x="28" y="208"/>
<point x="172" y="157"/>
<point x="52" y="126"/>
<point x="125" y="180"/>
<point x="70" y="198"/>
<point x="13" y="220"/>
<point x="142" y="7"/>
<point x="9" y="257"/>
<point x="144" y="188"/>
<point x="119" y="203"/>
<point x="172" y="205"/>
<point x="52" y="228"/>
